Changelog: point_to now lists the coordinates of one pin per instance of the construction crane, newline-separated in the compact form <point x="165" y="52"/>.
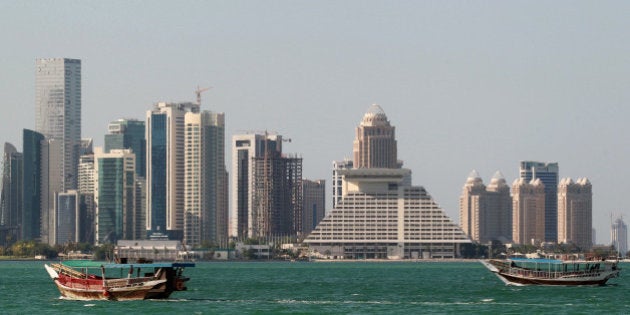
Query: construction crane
<point x="199" y="91"/>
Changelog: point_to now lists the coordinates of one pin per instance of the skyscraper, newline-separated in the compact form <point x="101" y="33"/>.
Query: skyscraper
<point x="58" y="118"/>
<point x="548" y="174"/>
<point x="314" y="204"/>
<point x="52" y="169"/>
<point x="380" y="214"/>
<point x="575" y="212"/>
<point x="165" y="168"/>
<point x="266" y="187"/>
<point x="67" y="209"/>
<point x="87" y="204"/>
<point x="471" y="206"/>
<point x="486" y="211"/>
<point x="116" y="213"/>
<point x="11" y="195"/>
<point x="58" y="111"/>
<point x="375" y="143"/>
<point x="499" y="206"/>
<point x="128" y="134"/>
<point x="206" y="209"/>
<point x="32" y="185"/>
<point x="619" y="236"/>
<point x="528" y="214"/>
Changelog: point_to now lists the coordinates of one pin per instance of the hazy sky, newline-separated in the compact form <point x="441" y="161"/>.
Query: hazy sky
<point x="468" y="84"/>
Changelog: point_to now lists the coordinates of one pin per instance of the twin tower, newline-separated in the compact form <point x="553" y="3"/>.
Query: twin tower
<point x="537" y="208"/>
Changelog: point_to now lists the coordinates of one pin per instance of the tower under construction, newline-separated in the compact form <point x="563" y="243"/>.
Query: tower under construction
<point x="267" y="188"/>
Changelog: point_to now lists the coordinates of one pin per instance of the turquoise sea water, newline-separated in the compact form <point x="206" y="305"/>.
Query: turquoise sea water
<point x="326" y="288"/>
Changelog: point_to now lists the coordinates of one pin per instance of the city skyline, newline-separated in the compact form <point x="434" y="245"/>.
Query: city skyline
<point x="469" y="86"/>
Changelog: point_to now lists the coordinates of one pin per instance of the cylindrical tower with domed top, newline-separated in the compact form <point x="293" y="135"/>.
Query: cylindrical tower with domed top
<point x="375" y="142"/>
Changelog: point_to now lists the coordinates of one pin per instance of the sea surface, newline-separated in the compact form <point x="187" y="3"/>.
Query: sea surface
<point x="325" y="288"/>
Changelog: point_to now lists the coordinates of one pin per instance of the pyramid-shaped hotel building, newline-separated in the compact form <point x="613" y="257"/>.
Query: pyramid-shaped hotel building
<point x="380" y="214"/>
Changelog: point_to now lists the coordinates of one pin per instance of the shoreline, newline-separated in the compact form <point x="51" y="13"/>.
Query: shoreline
<point x="437" y="260"/>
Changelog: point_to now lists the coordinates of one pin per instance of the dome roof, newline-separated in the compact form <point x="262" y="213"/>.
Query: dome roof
<point x="375" y="116"/>
<point x="584" y="181"/>
<point x="536" y="182"/>
<point x="498" y="179"/>
<point x="474" y="174"/>
<point x="498" y="176"/>
<point x="473" y="178"/>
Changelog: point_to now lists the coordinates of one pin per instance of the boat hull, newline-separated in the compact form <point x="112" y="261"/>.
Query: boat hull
<point x="514" y="280"/>
<point x="514" y="275"/>
<point x="90" y="288"/>
<point x="130" y="293"/>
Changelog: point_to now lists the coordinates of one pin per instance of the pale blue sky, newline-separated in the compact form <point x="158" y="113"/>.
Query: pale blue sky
<point x="468" y="84"/>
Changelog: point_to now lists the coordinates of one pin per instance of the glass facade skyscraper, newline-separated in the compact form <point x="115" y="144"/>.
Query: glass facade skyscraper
<point x="115" y="196"/>
<point x="67" y="215"/>
<point x="165" y="169"/>
<point x="128" y="134"/>
<point x="32" y="184"/>
<point x="58" y="110"/>
<point x="548" y="175"/>
<point x="156" y="221"/>
<point x="11" y="195"/>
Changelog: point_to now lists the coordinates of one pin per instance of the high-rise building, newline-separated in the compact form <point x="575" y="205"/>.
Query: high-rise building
<point x="575" y="212"/>
<point x="32" y="193"/>
<point x="116" y="213"/>
<point x="206" y="209"/>
<point x="337" y="179"/>
<point x="128" y="134"/>
<point x="52" y="168"/>
<point x="58" y="118"/>
<point x="471" y="206"/>
<point x="375" y="143"/>
<point x="380" y="214"/>
<point x="548" y="174"/>
<point x="313" y="204"/>
<point x="499" y="207"/>
<point x="87" y="204"/>
<point x="619" y="236"/>
<point x="67" y="211"/>
<point x="11" y="195"/>
<point x="58" y="111"/>
<point x="165" y="169"/>
<point x="486" y="211"/>
<point x="528" y="212"/>
<point x="266" y="188"/>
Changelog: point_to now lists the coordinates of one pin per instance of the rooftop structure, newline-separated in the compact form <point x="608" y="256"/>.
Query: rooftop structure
<point x="375" y="142"/>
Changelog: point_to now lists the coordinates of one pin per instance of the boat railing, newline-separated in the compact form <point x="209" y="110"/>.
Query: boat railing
<point x="553" y="274"/>
<point x="123" y="282"/>
<point x="67" y="270"/>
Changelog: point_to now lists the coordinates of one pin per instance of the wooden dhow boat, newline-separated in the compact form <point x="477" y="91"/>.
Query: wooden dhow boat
<point x="88" y="280"/>
<point x="527" y="271"/>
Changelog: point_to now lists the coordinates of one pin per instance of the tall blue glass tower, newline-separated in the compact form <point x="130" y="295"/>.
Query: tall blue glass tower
<point x="128" y="134"/>
<point x="548" y="174"/>
<point x="32" y="177"/>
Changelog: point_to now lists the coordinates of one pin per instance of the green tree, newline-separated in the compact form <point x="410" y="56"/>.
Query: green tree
<point x="104" y="252"/>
